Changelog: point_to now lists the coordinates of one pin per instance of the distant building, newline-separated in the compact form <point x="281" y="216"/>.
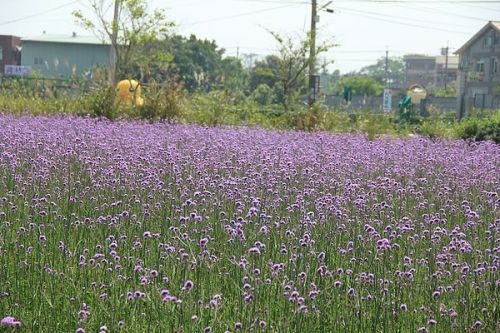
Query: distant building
<point x="420" y="69"/>
<point x="479" y="78"/>
<point x="64" y="55"/>
<point x="446" y="72"/>
<point x="10" y="51"/>
<point x="430" y="70"/>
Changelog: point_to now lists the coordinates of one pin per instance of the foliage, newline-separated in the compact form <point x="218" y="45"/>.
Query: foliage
<point x="212" y="108"/>
<point x="163" y="102"/>
<point x="152" y="63"/>
<point x="264" y="72"/>
<point x="233" y="76"/>
<point x="263" y="95"/>
<point x="199" y="63"/>
<point x="395" y="73"/>
<point x="360" y="84"/>
<point x="100" y="102"/>
<point x="435" y="128"/>
<point x="25" y="105"/>
<point x="169" y="101"/>
<point x="480" y="129"/>
<point x="135" y="26"/>
<point x="293" y="59"/>
<point x="450" y="91"/>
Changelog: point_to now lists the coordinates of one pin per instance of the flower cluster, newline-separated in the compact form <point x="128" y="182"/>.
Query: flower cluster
<point x="171" y="228"/>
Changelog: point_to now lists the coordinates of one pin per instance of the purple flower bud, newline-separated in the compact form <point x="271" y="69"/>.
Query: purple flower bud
<point x="254" y="250"/>
<point x="10" y="321"/>
<point x="188" y="285"/>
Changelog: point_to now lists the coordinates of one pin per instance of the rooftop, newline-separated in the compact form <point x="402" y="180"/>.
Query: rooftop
<point x="452" y="61"/>
<point x="70" y="39"/>
<point x="418" y="57"/>
<point x="491" y="24"/>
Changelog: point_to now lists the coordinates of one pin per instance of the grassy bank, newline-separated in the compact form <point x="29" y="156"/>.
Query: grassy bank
<point x="220" y="108"/>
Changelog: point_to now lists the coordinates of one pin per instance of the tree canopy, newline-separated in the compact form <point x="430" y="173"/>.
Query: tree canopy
<point x="135" y="25"/>
<point x="395" y="70"/>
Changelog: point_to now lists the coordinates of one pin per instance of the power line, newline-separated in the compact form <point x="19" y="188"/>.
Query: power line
<point x="372" y="16"/>
<point x="479" y="7"/>
<point x="422" y="1"/>
<point x="400" y="17"/>
<point x="444" y="12"/>
<point x="38" y="14"/>
<point x="290" y="2"/>
<point x="239" y="15"/>
<point x="334" y="50"/>
<point x="383" y="1"/>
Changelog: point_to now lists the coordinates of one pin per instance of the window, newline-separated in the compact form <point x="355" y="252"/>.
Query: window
<point x="1" y="53"/>
<point x="488" y="41"/>
<point x="480" y="66"/>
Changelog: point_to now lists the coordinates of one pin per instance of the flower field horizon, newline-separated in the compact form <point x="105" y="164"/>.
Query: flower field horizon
<point x="139" y="227"/>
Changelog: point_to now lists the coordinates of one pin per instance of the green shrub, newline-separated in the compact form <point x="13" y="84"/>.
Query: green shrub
<point x="479" y="129"/>
<point x="435" y="129"/>
<point x="263" y="95"/>
<point x="165" y="102"/>
<point x="214" y="108"/>
<point x="100" y="102"/>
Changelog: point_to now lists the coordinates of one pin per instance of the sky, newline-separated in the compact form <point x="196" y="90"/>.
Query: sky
<point x="361" y="29"/>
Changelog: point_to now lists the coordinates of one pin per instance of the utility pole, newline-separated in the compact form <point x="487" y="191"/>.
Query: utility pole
<point x="446" y="69"/>
<point x="114" y="42"/>
<point x="312" y="54"/>
<point x="386" y="67"/>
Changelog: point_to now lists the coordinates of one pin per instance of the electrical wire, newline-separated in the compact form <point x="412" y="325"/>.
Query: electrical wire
<point x="376" y="16"/>
<point x="422" y="1"/>
<point x="38" y="14"/>
<point x="230" y="17"/>
<point x="383" y="1"/>
<point x="479" y="7"/>
<point x="447" y="13"/>
<point x="400" y="17"/>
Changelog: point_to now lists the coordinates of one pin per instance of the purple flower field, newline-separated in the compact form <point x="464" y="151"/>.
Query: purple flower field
<point x="135" y="227"/>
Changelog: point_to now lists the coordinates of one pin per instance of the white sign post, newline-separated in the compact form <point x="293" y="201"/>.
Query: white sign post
<point x="387" y="100"/>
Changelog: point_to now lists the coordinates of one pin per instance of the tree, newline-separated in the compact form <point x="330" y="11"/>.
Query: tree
<point x="293" y="62"/>
<point x="233" y="76"/>
<point x="263" y="95"/>
<point x="395" y="72"/>
<point x="135" y="25"/>
<point x="264" y="72"/>
<point x="360" y="84"/>
<point x="199" y="63"/>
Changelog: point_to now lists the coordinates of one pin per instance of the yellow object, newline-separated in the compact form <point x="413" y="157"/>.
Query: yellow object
<point x="129" y="92"/>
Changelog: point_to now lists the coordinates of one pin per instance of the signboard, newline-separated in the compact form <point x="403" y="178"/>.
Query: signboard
<point x="387" y="100"/>
<point x="17" y="70"/>
<point x="313" y="87"/>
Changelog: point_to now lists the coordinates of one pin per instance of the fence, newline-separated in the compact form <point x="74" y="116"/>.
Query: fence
<point x="486" y="101"/>
<point x="42" y="87"/>
<point x="443" y="104"/>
